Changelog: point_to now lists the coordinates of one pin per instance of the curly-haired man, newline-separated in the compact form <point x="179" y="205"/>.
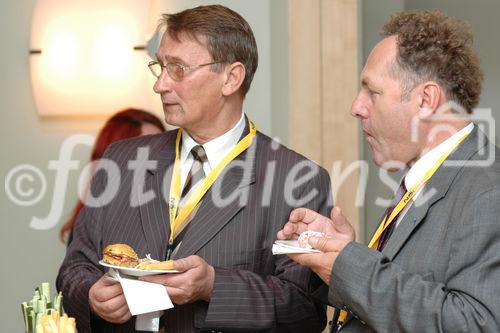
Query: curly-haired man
<point x="433" y="265"/>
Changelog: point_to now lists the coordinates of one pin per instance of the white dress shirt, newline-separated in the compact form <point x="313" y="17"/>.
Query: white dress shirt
<point x="216" y="149"/>
<point x="428" y="161"/>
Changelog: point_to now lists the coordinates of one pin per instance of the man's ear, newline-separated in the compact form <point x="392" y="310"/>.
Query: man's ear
<point x="429" y="99"/>
<point x="235" y="74"/>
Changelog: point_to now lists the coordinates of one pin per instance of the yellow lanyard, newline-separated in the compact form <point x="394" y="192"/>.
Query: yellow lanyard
<point x="400" y="206"/>
<point x="177" y="217"/>
<point x="409" y="195"/>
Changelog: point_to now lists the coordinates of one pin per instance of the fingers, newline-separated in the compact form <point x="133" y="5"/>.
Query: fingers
<point x="180" y="295"/>
<point x="103" y="290"/>
<point x="193" y="282"/>
<point x="115" y="311"/>
<point x="116" y="307"/>
<point x="192" y="269"/>
<point x="165" y="279"/>
<point x="109" y="292"/>
<point x="187" y="263"/>
<point x="300" y="220"/>
<point x="305" y="259"/>
<point x="323" y="244"/>
<point x="182" y="265"/>
<point x="124" y="318"/>
<point x="158" y="278"/>
<point x="108" y="280"/>
<point x="291" y="228"/>
<point x="339" y="220"/>
<point x="108" y="301"/>
<point x="341" y="224"/>
<point x="304" y="215"/>
<point x="288" y="231"/>
<point x="297" y="215"/>
<point x="281" y="235"/>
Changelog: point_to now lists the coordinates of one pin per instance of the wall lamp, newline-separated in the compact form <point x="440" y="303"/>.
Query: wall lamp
<point x="88" y="57"/>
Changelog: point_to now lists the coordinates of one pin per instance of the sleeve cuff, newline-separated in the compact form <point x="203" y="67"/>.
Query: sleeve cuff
<point x="350" y="265"/>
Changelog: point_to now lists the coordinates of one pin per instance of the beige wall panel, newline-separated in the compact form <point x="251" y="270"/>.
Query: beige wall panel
<point x="323" y="82"/>
<point x="339" y="26"/>
<point x="305" y="80"/>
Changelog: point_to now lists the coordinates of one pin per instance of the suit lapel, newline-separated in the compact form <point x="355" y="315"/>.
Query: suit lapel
<point x="413" y="217"/>
<point x="211" y="217"/>
<point x="433" y="191"/>
<point x="154" y="213"/>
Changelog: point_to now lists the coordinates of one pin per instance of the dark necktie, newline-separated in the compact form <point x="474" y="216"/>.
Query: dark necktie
<point x="386" y="234"/>
<point x="196" y="174"/>
<point x="195" y="177"/>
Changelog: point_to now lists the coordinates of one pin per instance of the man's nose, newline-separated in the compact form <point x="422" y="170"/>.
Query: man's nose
<point x="359" y="108"/>
<point x="163" y="83"/>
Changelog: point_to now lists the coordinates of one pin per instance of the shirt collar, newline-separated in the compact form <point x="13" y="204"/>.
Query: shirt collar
<point x="429" y="159"/>
<point x="216" y="149"/>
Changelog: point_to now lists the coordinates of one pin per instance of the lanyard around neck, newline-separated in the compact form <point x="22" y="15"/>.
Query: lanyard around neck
<point x="408" y="196"/>
<point x="178" y="216"/>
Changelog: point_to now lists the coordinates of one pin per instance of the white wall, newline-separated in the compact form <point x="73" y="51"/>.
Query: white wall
<point x="29" y="256"/>
<point x="279" y="70"/>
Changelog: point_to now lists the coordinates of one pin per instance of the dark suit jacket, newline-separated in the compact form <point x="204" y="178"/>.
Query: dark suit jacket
<point x="254" y="291"/>
<point x="440" y="270"/>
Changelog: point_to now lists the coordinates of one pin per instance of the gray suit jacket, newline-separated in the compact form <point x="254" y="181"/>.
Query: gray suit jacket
<point x="440" y="270"/>
<point x="254" y="291"/>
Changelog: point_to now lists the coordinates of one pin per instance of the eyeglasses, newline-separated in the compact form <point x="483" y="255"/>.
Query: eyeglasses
<point x="175" y="70"/>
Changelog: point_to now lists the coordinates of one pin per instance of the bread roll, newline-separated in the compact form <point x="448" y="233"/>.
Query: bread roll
<point x="120" y="255"/>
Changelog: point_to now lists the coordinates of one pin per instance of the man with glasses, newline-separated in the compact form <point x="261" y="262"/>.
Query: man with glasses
<point x="222" y="191"/>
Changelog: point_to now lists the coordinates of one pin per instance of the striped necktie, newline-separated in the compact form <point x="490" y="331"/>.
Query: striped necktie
<point x="195" y="177"/>
<point x="196" y="174"/>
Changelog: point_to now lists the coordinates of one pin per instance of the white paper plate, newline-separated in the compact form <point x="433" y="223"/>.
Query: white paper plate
<point x="137" y="272"/>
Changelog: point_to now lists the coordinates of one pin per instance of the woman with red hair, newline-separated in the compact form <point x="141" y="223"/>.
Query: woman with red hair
<point x="123" y="125"/>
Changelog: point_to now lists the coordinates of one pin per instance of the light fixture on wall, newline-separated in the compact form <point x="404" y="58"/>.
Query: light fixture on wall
<point x="88" y="57"/>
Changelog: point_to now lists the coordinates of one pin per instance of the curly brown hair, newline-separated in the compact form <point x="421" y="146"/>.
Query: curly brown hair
<point x="432" y="46"/>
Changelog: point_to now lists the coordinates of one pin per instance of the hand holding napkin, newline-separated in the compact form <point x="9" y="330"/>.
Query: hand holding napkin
<point x="145" y="300"/>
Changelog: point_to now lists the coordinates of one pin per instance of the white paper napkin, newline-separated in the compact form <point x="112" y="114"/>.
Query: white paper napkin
<point x="145" y="300"/>
<point x="290" y="246"/>
<point x="143" y="297"/>
<point x="149" y="322"/>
